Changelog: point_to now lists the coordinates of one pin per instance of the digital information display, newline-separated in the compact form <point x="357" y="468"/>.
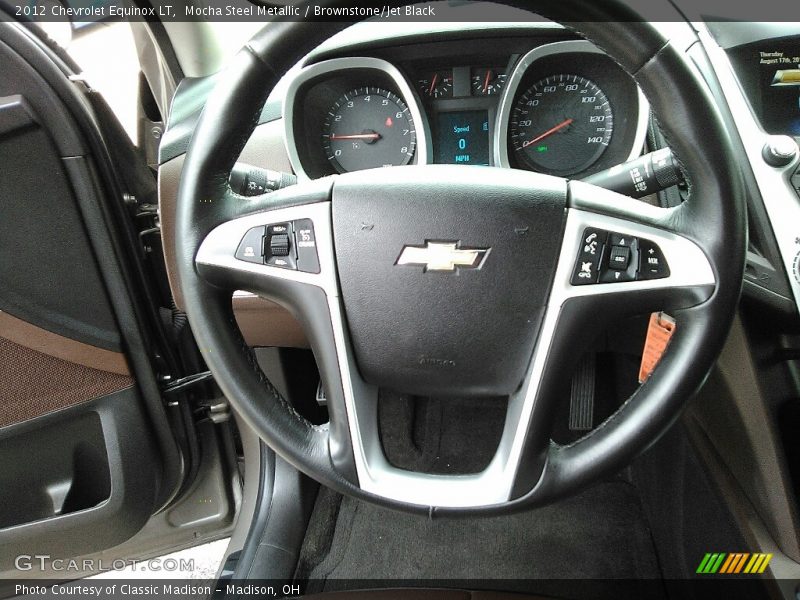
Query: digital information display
<point x="780" y="90"/>
<point x="462" y="138"/>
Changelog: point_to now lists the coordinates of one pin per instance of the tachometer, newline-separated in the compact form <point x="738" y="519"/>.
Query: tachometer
<point x="369" y="127"/>
<point x="561" y="125"/>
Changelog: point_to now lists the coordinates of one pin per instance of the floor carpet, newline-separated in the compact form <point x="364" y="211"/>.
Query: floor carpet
<point x="592" y="540"/>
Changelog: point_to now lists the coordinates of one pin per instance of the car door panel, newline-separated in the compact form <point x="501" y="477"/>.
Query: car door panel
<point x="70" y="484"/>
<point x="41" y="372"/>
<point x="86" y="452"/>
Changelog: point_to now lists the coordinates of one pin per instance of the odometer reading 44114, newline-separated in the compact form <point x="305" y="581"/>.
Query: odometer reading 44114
<point x="561" y="125"/>
<point x="366" y="128"/>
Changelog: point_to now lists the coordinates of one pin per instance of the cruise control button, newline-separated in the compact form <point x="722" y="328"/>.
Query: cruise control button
<point x="284" y="262"/>
<point x="251" y="247"/>
<point x="279" y="244"/>
<point x="652" y="264"/>
<point x="278" y="248"/>
<point x="306" y="246"/>
<point x="619" y="258"/>
<point x="591" y="250"/>
<point x="279" y="228"/>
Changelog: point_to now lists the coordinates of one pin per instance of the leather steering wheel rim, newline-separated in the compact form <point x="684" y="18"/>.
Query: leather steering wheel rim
<point x="713" y="218"/>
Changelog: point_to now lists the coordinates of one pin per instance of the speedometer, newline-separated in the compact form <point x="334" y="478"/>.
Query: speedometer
<point x="561" y="125"/>
<point x="366" y="128"/>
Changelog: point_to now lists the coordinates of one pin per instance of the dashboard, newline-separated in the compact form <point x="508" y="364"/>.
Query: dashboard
<point x="557" y="107"/>
<point x="467" y="94"/>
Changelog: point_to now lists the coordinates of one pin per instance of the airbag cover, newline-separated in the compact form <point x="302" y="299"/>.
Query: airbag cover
<point x="466" y="330"/>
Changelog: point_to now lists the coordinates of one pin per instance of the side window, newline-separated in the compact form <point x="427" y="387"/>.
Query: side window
<point x="106" y="54"/>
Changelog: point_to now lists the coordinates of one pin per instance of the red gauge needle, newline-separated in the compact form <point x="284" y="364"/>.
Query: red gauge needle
<point x="433" y="84"/>
<point x="356" y="136"/>
<point x="550" y="131"/>
<point x="486" y="80"/>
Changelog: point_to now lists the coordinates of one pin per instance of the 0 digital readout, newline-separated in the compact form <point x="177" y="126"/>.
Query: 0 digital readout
<point x="462" y="138"/>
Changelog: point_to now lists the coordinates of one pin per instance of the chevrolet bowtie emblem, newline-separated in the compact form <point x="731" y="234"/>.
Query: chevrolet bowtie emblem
<point x="441" y="256"/>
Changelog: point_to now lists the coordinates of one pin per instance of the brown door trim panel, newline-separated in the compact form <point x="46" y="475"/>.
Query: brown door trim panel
<point x="52" y="344"/>
<point x="33" y="384"/>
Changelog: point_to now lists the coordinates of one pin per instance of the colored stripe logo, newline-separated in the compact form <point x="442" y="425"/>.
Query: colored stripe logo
<point x="733" y="563"/>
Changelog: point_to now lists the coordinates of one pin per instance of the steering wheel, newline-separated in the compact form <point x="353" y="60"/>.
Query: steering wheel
<point x="461" y="280"/>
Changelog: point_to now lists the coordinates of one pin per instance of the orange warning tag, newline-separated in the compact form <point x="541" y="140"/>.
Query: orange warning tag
<point x="659" y="332"/>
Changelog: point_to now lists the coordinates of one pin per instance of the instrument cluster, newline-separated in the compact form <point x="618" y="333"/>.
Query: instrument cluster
<point x="563" y="108"/>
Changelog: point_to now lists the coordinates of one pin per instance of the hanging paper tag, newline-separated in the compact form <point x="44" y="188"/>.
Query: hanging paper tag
<point x="659" y="333"/>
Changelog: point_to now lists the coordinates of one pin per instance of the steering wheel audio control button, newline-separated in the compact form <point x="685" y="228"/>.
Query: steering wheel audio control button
<point x="652" y="264"/>
<point x="620" y="258"/>
<point x="609" y="275"/>
<point x="251" y="248"/>
<point x="306" y="245"/>
<point x="619" y="263"/>
<point x="610" y="257"/>
<point x="587" y="266"/>
<point x="619" y="239"/>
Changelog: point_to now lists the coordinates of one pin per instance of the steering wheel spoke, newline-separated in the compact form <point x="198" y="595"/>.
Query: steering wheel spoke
<point x="285" y="255"/>
<point x="659" y="268"/>
<point x="262" y="253"/>
<point x="626" y="257"/>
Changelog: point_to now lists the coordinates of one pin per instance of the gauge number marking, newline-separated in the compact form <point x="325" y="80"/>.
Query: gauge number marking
<point x="366" y="128"/>
<point x="561" y="125"/>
